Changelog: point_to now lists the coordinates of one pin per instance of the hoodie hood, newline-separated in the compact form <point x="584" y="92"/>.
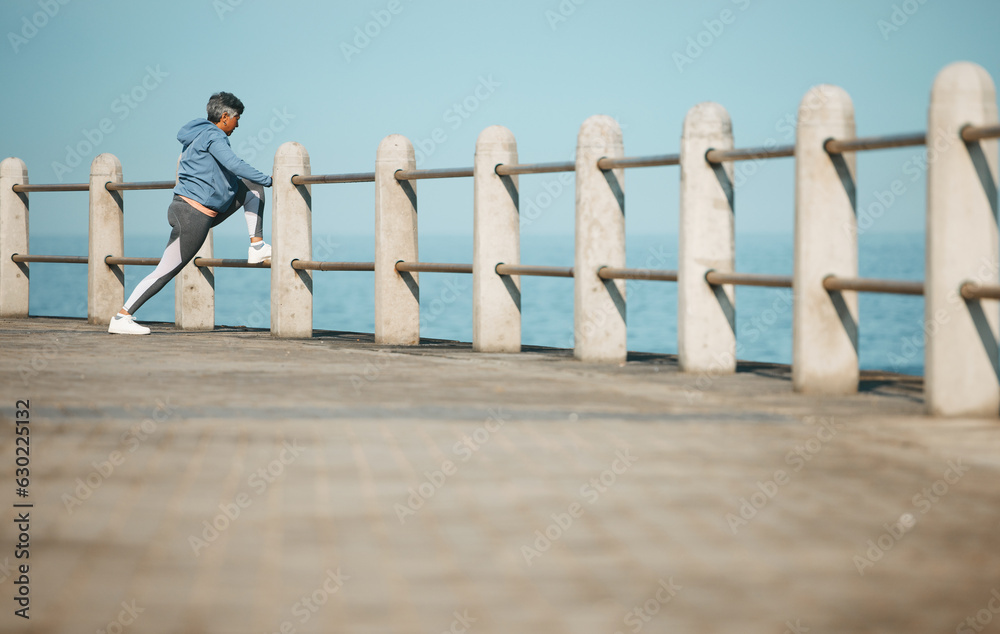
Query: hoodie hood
<point x="192" y="129"/>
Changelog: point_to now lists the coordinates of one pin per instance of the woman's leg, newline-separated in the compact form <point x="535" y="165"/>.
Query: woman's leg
<point x="249" y="196"/>
<point x="189" y="230"/>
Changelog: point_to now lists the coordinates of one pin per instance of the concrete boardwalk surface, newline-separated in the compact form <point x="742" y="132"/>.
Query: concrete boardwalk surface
<point x="229" y="481"/>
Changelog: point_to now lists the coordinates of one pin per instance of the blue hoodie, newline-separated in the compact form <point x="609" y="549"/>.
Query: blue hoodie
<point x="209" y="171"/>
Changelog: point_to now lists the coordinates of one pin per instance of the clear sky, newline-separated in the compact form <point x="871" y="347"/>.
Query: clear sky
<point x="122" y="76"/>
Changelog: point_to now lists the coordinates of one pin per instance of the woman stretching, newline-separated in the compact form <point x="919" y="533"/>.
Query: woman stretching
<point x="212" y="183"/>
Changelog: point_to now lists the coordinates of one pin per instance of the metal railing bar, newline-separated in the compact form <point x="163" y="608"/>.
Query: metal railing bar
<point x="432" y="267"/>
<point x="534" y="168"/>
<point x="453" y="172"/>
<point x="871" y="285"/>
<point x="322" y="179"/>
<point x="639" y="161"/>
<point x="230" y="263"/>
<point x="117" y="187"/>
<point x="611" y="273"/>
<point x="62" y="259"/>
<point x="838" y="146"/>
<point x="68" y="187"/>
<point x="715" y="278"/>
<point x="971" y="133"/>
<point x="122" y="261"/>
<point x="749" y="154"/>
<point x="534" y="270"/>
<point x="313" y="265"/>
<point x="972" y="290"/>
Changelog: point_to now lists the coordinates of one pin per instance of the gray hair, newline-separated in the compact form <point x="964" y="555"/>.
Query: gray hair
<point x="223" y="103"/>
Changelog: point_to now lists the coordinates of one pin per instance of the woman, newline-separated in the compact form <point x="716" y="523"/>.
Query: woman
<point x="212" y="183"/>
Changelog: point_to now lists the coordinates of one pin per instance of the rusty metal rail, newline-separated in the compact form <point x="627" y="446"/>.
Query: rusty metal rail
<point x="61" y="259"/>
<point x="611" y="273"/>
<point x="607" y="163"/>
<point x="715" y="278"/>
<point x="313" y="265"/>
<point x="234" y="263"/>
<point x="230" y="263"/>
<point x="972" y="133"/>
<point x="534" y="168"/>
<point x="322" y="179"/>
<point x="432" y="267"/>
<point x="839" y="146"/>
<point x="534" y="270"/>
<point x="69" y="187"/>
<point x="871" y="285"/>
<point x="972" y="290"/>
<point x="121" y="261"/>
<point x="749" y="154"/>
<point x="118" y="187"/>
<point x="453" y="172"/>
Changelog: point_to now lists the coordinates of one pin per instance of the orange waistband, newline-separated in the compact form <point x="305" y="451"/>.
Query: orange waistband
<point x="200" y="207"/>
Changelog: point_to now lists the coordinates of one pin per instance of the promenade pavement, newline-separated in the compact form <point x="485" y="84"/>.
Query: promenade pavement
<point x="228" y="481"/>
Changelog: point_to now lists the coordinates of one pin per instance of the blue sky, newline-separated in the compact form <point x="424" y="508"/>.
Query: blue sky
<point x="123" y="76"/>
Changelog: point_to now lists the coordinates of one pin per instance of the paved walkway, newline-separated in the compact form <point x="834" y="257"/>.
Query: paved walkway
<point x="232" y="482"/>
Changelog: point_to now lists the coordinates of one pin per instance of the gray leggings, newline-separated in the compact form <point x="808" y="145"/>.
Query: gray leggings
<point x="189" y="228"/>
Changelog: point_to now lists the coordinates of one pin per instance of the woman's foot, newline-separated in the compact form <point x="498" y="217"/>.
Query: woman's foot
<point x="259" y="251"/>
<point x="125" y="325"/>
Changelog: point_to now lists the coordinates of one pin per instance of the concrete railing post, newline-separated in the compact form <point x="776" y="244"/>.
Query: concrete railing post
<point x="496" y="300"/>
<point x="824" y="323"/>
<point x="706" y="315"/>
<point x="291" y="239"/>
<point x="397" y="295"/>
<point x="13" y="239"/>
<point x="599" y="305"/>
<point x="194" y="291"/>
<point x="105" y="284"/>
<point x="960" y="375"/>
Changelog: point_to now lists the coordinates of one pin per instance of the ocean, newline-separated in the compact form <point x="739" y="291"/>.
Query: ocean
<point x="891" y="326"/>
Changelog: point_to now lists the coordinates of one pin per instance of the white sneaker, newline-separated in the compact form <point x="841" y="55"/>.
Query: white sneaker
<point x="259" y="252"/>
<point x="125" y="325"/>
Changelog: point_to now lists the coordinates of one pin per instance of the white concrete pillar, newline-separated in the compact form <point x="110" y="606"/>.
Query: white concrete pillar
<point x="496" y="299"/>
<point x="291" y="239"/>
<point x="397" y="295"/>
<point x="824" y="323"/>
<point x="105" y="284"/>
<point x="706" y="315"/>
<point x="599" y="305"/>
<point x="13" y="239"/>
<point x="960" y="368"/>
<point x="194" y="290"/>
